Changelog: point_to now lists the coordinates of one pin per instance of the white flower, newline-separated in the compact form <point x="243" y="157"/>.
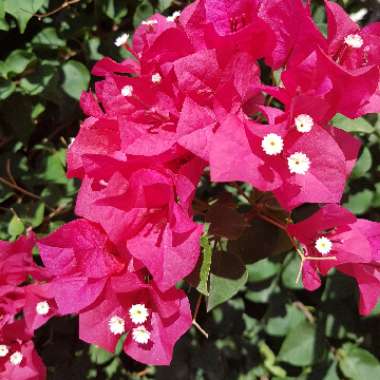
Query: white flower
<point x="299" y="163"/>
<point x="116" y="325"/>
<point x="122" y="40"/>
<point x="304" y="123"/>
<point x="173" y="17"/>
<point x="4" y="350"/>
<point x="156" y="78"/>
<point x="42" y="308"/>
<point x="140" y="335"/>
<point x="138" y="313"/>
<point x="149" y="22"/>
<point x="354" y="40"/>
<point x="127" y="90"/>
<point x="16" y="358"/>
<point x="323" y="245"/>
<point x="272" y="144"/>
<point x="359" y="15"/>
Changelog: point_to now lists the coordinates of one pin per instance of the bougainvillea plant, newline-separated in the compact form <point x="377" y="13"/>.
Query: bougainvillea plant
<point x="190" y="104"/>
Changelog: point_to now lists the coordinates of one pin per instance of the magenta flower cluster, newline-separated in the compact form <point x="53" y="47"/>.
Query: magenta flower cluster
<point x="191" y="97"/>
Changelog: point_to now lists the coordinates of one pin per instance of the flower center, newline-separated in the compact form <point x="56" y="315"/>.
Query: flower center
<point x="354" y="41"/>
<point x="272" y="144"/>
<point x="140" y="335"/>
<point x="138" y="313"/>
<point x="42" y="308"/>
<point x="116" y="325"/>
<point x="298" y="163"/>
<point x="127" y="90"/>
<point x="149" y="22"/>
<point x="173" y="17"/>
<point x="156" y="78"/>
<point x="304" y="123"/>
<point x="323" y="245"/>
<point x="3" y="350"/>
<point x="121" y="40"/>
<point x="16" y="358"/>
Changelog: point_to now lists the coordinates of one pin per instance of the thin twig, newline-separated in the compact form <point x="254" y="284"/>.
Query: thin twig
<point x="9" y="171"/>
<point x="195" y="323"/>
<point x="272" y="221"/>
<point x="23" y="191"/>
<point x="64" y="5"/>
<point x="197" y="306"/>
<point x="299" y="305"/>
<point x="198" y="327"/>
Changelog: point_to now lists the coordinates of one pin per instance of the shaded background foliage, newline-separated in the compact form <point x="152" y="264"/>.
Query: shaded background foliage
<point x="271" y="328"/>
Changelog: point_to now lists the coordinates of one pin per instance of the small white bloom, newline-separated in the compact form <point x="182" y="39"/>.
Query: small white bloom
<point x="42" y="308"/>
<point x="156" y="78"/>
<point x="4" y="350"/>
<point x="102" y="182"/>
<point x="304" y="123"/>
<point x="138" y="313"/>
<point x="354" y="41"/>
<point x="323" y="245"/>
<point x="173" y="17"/>
<point x="359" y="15"/>
<point x="149" y="22"/>
<point x="272" y="144"/>
<point x="141" y="335"/>
<point x="121" y="40"/>
<point x="16" y="358"/>
<point x="127" y="90"/>
<point x="299" y="163"/>
<point x="116" y="325"/>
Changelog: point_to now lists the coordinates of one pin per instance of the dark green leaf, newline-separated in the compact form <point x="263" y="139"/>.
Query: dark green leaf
<point x="357" y="363"/>
<point x="143" y="11"/>
<point x="23" y="10"/>
<point x="300" y="346"/>
<point x="16" y="227"/>
<point x="76" y="78"/>
<point x="356" y="125"/>
<point x="228" y="275"/>
<point x="359" y="203"/>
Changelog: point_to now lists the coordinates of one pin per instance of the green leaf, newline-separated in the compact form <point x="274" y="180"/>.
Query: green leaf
<point x="76" y="78"/>
<point x="36" y="82"/>
<point x="143" y="11"/>
<point x="23" y="10"/>
<point x="6" y="88"/>
<point x="115" y="9"/>
<point x="17" y="62"/>
<point x="164" y="4"/>
<point x="352" y="125"/>
<point x="99" y="356"/>
<point x="282" y="318"/>
<point x="228" y="275"/>
<point x="48" y="37"/>
<point x="360" y="203"/>
<point x="15" y="227"/>
<point x="3" y="23"/>
<point x="53" y="168"/>
<point x="262" y="270"/>
<point x="363" y="164"/>
<point x="300" y="346"/>
<point x="205" y="266"/>
<point x="290" y="271"/>
<point x="357" y="363"/>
